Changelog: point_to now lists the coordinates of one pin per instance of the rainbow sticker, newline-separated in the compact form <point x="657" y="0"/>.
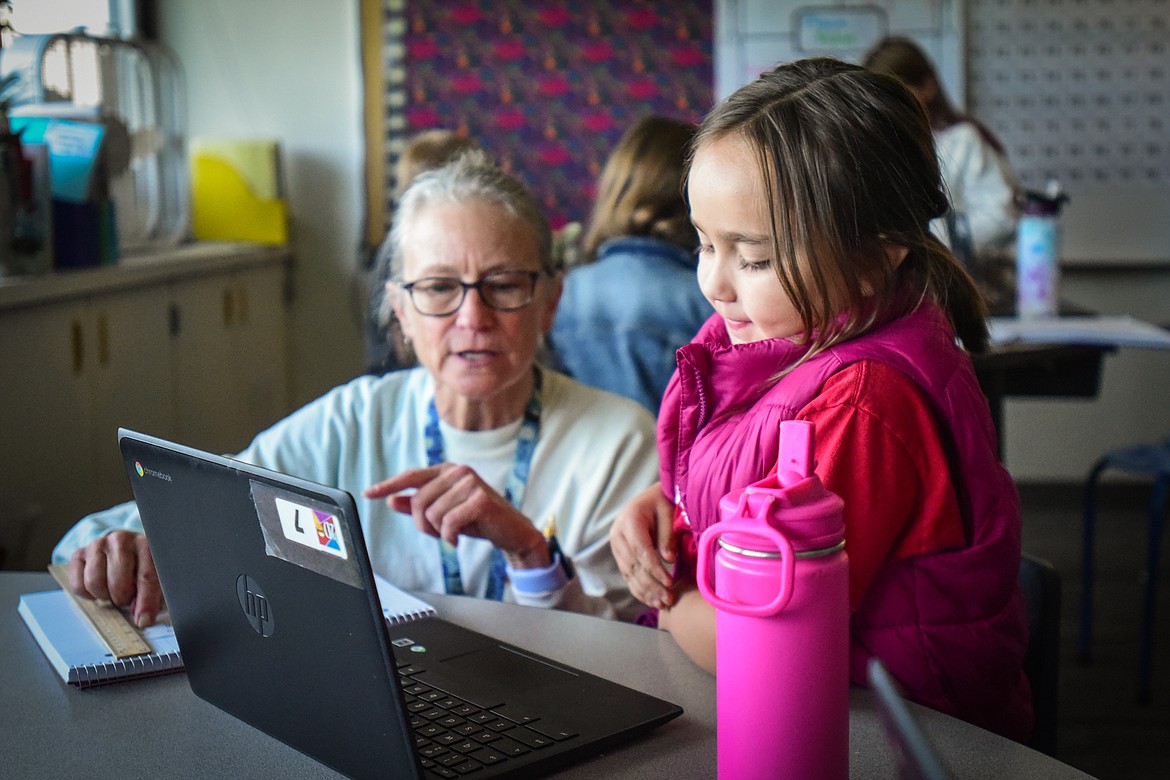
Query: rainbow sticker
<point x="311" y="527"/>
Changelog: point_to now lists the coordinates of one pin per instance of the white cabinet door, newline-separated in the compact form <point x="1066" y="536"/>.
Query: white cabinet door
<point x="72" y="372"/>
<point x="46" y="464"/>
<point x="260" y="346"/>
<point x="229" y="357"/>
<point x="198" y="355"/>
<point x="202" y="372"/>
<point x="129" y="380"/>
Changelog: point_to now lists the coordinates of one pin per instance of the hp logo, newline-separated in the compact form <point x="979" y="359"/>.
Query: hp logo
<point x="255" y="605"/>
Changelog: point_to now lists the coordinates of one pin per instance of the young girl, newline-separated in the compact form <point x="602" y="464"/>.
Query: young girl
<point x="811" y="190"/>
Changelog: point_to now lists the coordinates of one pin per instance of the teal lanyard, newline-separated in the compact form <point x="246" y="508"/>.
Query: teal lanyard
<point x="514" y="491"/>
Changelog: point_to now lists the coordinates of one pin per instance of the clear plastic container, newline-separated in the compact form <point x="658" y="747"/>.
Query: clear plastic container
<point x="135" y="90"/>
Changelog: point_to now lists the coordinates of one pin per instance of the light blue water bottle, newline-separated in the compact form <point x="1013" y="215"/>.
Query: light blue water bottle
<point x="1038" y="253"/>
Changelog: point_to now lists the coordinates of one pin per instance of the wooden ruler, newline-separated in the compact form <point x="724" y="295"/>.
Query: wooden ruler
<point x="116" y="630"/>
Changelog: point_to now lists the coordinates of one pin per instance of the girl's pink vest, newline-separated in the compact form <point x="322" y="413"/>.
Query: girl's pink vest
<point x="950" y="626"/>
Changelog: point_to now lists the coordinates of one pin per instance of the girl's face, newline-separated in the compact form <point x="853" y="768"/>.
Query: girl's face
<point x="730" y="213"/>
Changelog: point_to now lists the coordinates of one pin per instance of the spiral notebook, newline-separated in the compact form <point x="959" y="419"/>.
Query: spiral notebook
<point x="78" y="653"/>
<point x="76" y="650"/>
<point x="398" y="606"/>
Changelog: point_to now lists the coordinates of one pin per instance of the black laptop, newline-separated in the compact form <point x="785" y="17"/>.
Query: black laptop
<point x="279" y="623"/>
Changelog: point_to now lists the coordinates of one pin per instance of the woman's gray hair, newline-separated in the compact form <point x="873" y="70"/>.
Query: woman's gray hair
<point x="472" y="176"/>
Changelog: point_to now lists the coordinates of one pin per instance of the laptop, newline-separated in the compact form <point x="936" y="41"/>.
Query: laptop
<point x="915" y="756"/>
<point x="279" y="622"/>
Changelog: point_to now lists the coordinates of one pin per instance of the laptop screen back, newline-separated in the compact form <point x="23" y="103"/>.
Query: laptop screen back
<point x="287" y="636"/>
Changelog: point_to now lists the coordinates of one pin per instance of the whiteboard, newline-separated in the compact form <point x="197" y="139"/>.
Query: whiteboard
<point x="753" y="35"/>
<point x="1077" y="90"/>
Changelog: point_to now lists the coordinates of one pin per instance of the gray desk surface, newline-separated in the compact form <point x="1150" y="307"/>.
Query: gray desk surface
<point x="157" y="728"/>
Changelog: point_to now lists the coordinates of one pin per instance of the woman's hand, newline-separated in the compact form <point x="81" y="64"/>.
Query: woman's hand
<point x="642" y="540"/>
<point x="450" y="500"/>
<point x="118" y="567"/>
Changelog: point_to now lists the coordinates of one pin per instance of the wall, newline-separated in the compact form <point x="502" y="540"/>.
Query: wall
<point x="291" y="71"/>
<point x="1079" y="92"/>
<point x="753" y="35"/>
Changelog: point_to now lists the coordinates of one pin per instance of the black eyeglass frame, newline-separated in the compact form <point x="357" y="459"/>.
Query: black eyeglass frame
<point x="477" y="285"/>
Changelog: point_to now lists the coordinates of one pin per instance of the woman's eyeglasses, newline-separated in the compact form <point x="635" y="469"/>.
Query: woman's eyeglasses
<point x="440" y="296"/>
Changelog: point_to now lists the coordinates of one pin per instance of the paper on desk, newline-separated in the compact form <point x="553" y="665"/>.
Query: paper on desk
<point x="1115" y="331"/>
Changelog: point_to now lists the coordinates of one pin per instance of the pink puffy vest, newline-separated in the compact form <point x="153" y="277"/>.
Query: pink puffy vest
<point x="950" y="625"/>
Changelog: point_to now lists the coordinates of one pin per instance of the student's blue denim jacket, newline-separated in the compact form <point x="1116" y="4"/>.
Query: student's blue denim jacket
<point x="622" y="317"/>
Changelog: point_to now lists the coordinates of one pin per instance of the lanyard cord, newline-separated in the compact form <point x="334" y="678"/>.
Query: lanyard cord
<point x="514" y="491"/>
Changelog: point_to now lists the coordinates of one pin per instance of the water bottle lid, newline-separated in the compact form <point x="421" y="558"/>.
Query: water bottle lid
<point x="1041" y="204"/>
<point x="793" y="500"/>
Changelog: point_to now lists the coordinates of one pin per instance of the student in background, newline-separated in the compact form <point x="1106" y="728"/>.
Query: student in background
<point x="634" y="300"/>
<point x="462" y="461"/>
<point x="386" y="349"/>
<point x="812" y="189"/>
<point x="981" y="183"/>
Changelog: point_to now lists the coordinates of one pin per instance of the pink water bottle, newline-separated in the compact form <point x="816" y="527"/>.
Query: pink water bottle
<point x="781" y="592"/>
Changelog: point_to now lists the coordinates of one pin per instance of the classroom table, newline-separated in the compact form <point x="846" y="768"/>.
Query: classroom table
<point x="157" y="727"/>
<point x="1038" y="370"/>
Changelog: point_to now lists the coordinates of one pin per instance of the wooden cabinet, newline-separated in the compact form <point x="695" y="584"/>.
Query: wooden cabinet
<point x="190" y="345"/>
<point x="229" y="357"/>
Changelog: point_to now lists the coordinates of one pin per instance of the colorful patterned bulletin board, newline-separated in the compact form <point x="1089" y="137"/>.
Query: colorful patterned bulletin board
<point x="547" y="87"/>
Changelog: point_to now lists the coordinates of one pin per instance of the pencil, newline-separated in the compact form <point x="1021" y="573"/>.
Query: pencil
<point x="554" y="546"/>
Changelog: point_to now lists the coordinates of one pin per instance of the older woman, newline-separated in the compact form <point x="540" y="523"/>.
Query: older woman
<point x="465" y="459"/>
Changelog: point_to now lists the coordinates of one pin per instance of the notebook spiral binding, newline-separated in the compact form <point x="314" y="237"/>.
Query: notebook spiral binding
<point x="407" y="617"/>
<point x="91" y="675"/>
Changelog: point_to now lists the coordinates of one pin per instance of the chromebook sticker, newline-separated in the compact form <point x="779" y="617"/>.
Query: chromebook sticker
<point x="311" y="527"/>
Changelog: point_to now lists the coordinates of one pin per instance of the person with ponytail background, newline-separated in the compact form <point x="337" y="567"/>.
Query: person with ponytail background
<point x="981" y="183"/>
<point x="634" y="300"/>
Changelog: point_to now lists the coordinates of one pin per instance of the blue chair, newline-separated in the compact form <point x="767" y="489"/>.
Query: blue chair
<point x="1152" y="460"/>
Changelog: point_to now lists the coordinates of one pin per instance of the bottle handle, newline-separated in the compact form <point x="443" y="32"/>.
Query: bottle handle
<point x="704" y="572"/>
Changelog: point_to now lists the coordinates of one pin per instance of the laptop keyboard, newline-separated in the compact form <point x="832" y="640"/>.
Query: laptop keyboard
<point x="455" y="737"/>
